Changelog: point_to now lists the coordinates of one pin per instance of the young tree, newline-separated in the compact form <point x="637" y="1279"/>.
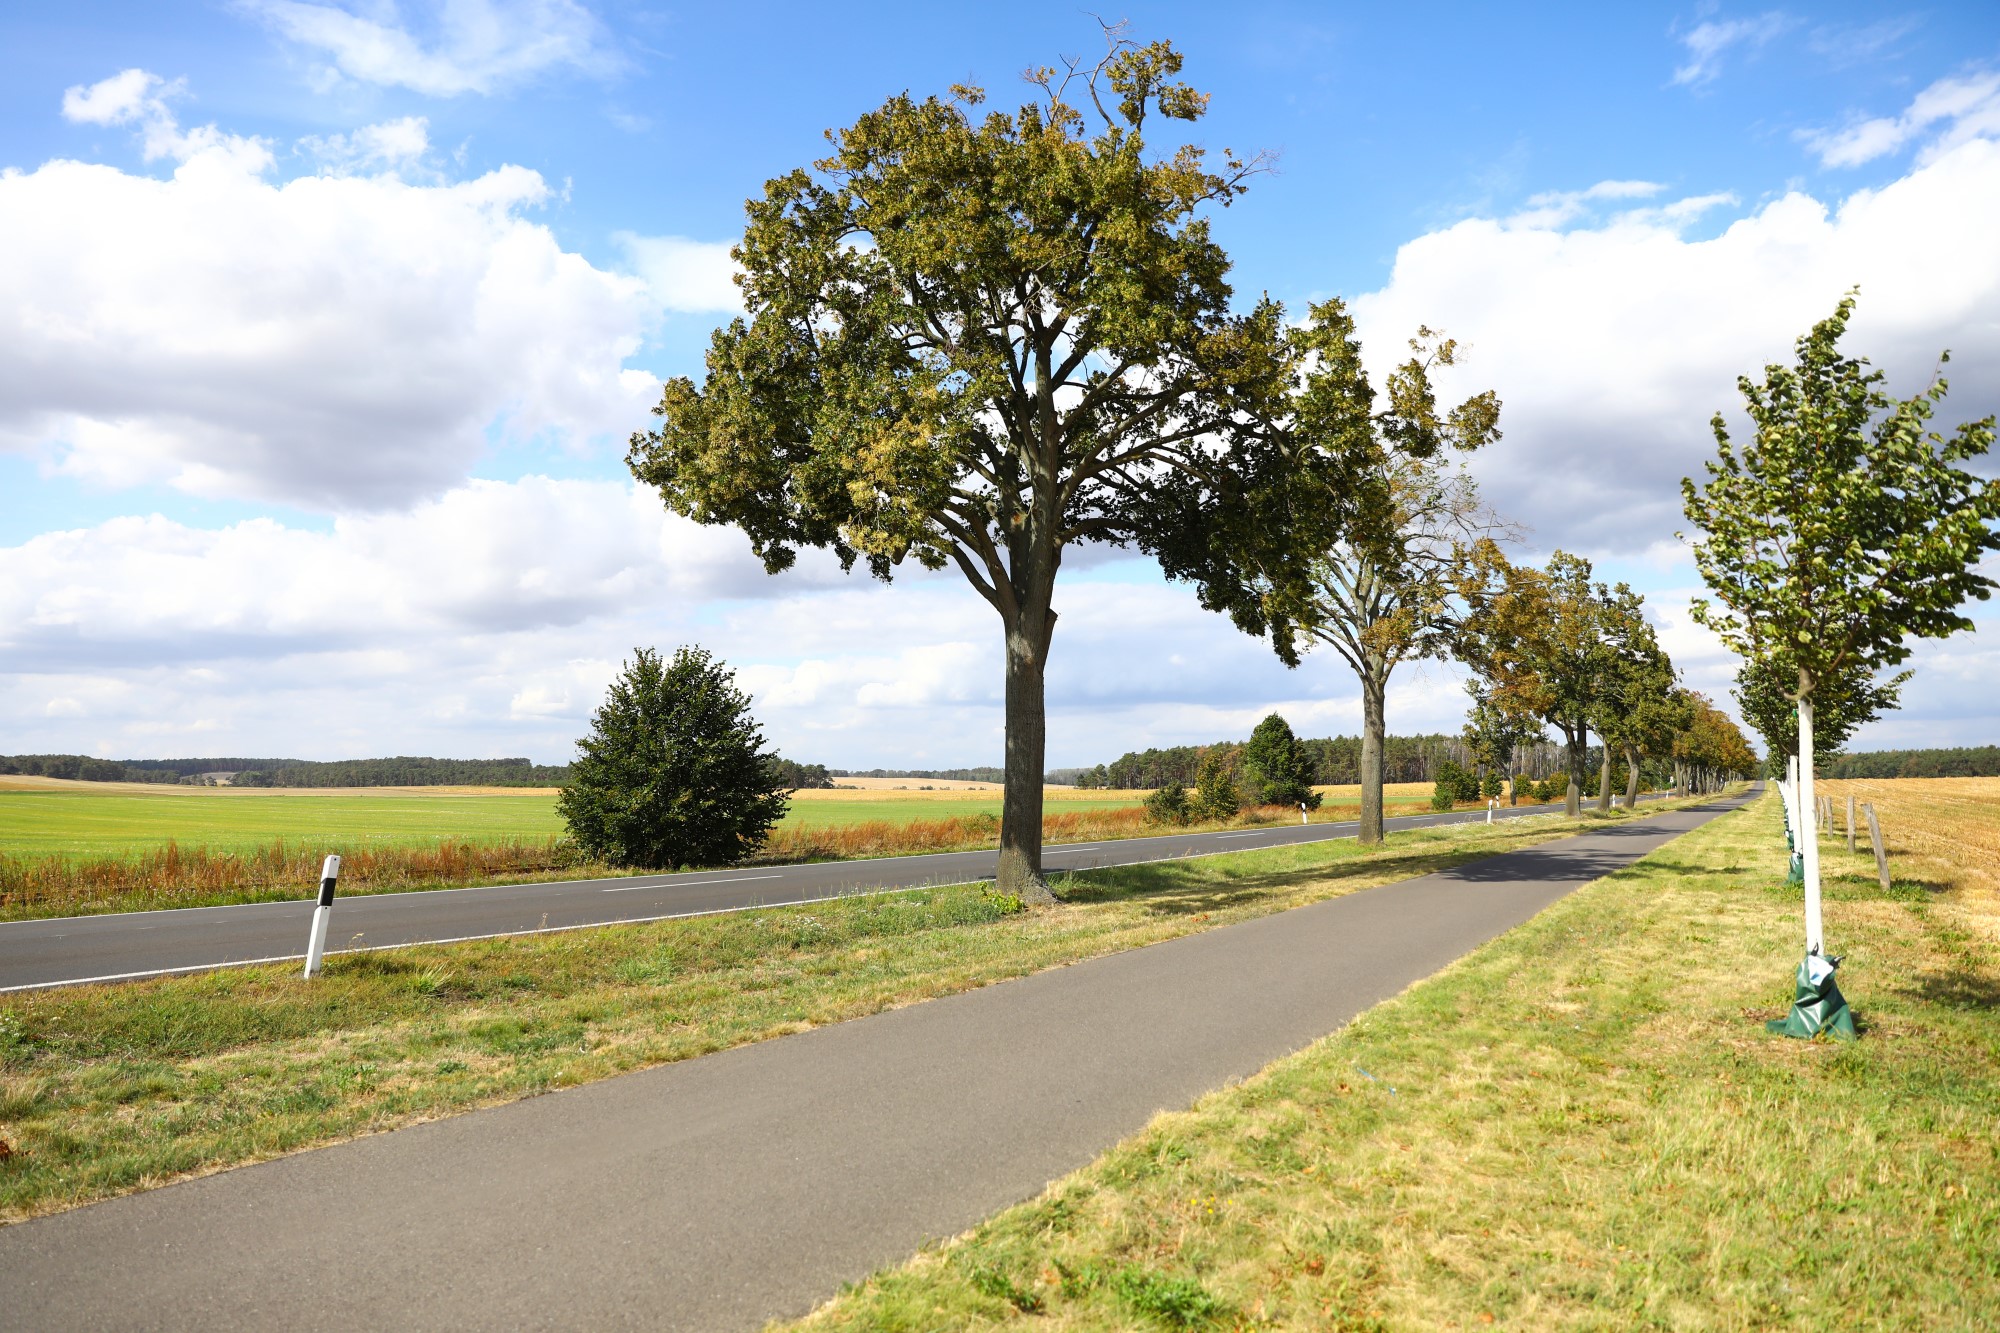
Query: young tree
<point x="1276" y="769"/>
<point x="1840" y="532"/>
<point x="1382" y="595"/>
<point x="673" y="771"/>
<point x="980" y="340"/>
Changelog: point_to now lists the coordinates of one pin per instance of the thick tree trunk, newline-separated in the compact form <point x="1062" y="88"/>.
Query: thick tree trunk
<point x="1604" y="779"/>
<point x="1020" y="869"/>
<point x="1631" y="778"/>
<point x="1374" y="688"/>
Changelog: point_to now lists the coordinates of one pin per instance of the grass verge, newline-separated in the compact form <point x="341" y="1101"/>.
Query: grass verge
<point x="1580" y="1125"/>
<point x="105" y="1089"/>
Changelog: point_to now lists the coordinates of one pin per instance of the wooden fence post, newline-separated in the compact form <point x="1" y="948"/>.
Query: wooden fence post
<point x="1875" y="837"/>
<point x="1850" y="823"/>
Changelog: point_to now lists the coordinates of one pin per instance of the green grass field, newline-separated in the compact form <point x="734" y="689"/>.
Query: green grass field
<point x="113" y="823"/>
<point x="119" y="821"/>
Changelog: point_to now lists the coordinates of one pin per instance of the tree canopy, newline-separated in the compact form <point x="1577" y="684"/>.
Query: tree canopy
<point x="979" y="338"/>
<point x="1549" y="644"/>
<point x="1276" y="768"/>
<point x="1844" y="528"/>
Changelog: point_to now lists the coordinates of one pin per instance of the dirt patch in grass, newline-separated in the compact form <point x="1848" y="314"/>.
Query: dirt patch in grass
<point x="1581" y="1125"/>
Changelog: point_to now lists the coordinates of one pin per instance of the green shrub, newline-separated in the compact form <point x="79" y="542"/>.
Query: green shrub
<point x="1277" y="769"/>
<point x="1215" y="794"/>
<point x="673" y="772"/>
<point x="1169" y="805"/>
<point x="1454" y="784"/>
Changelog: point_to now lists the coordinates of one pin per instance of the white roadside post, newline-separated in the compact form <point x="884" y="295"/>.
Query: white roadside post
<point x="1302" y="813"/>
<point x="316" y="941"/>
<point x="1815" y="941"/>
<point x="1491" y="801"/>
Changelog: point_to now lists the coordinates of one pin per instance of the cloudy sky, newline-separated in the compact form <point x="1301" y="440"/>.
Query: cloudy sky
<point x="322" y="327"/>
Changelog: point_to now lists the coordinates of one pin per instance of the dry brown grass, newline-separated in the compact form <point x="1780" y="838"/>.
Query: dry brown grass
<point x="176" y="876"/>
<point x="1942" y="833"/>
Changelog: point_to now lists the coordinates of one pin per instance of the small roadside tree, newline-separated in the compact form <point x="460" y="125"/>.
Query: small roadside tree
<point x="1494" y="735"/>
<point x="1843" y="530"/>
<point x="1276" y="768"/>
<point x="979" y="339"/>
<point x="673" y="771"/>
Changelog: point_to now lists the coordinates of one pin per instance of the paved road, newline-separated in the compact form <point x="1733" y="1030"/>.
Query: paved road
<point x="724" y="1191"/>
<point x="69" y="950"/>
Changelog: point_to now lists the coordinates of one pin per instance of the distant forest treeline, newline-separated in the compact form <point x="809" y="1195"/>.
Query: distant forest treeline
<point x="406" y="771"/>
<point x="403" y="771"/>
<point x="1979" y="761"/>
<point x="934" y="774"/>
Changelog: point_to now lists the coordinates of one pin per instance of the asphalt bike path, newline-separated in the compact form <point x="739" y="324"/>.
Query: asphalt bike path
<point x="724" y="1191"/>
<point x="126" y="946"/>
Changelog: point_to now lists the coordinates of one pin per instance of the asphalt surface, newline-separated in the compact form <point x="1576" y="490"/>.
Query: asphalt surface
<point x="724" y="1191"/>
<point x="128" y="945"/>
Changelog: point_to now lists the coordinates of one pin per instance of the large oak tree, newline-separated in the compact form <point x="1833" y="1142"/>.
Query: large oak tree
<point x="979" y="339"/>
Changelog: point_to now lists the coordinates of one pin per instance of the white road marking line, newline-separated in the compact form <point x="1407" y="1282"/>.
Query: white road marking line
<point x="1258" y="834"/>
<point x="689" y="883"/>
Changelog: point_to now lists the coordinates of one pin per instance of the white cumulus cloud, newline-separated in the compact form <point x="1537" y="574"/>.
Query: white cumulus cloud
<point x="685" y="275"/>
<point x="1953" y="111"/>
<point x="1611" y="346"/>
<point x="336" y="342"/>
<point x="391" y="144"/>
<point x="467" y="46"/>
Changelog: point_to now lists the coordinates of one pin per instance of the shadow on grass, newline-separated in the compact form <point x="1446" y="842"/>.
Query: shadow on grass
<point x="1956" y="990"/>
<point x="1186" y="888"/>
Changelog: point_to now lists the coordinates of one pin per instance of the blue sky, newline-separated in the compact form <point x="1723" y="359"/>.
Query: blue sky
<point x="327" y="324"/>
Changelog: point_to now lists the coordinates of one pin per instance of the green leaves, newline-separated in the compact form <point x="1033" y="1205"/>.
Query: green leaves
<point x="1844" y="528"/>
<point x="673" y="772"/>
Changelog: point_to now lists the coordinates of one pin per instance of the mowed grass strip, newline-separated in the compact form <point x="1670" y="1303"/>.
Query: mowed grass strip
<point x="105" y="1089"/>
<point x="1581" y="1125"/>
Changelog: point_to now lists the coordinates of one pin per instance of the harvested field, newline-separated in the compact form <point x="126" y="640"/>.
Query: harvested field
<point x="1941" y="833"/>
